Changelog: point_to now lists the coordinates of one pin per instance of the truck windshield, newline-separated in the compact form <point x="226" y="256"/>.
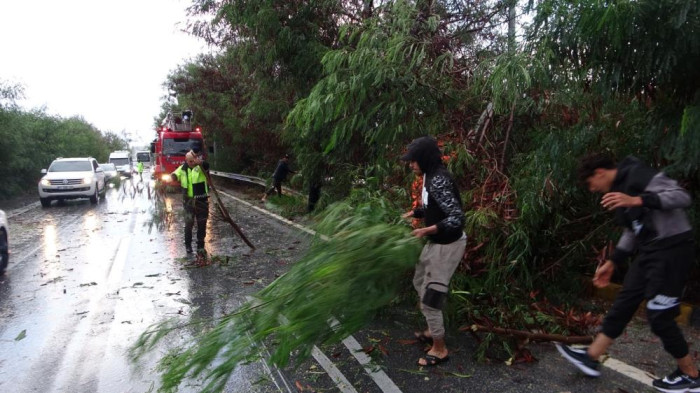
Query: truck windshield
<point x="70" y="166"/>
<point x="180" y="146"/>
<point x="119" y="161"/>
<point x="143" y="157"/>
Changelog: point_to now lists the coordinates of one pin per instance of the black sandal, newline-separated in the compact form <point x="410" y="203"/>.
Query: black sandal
<point x="432" y="361"/>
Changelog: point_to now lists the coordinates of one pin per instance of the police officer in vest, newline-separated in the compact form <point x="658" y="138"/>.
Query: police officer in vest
<point x="195" y="198"/>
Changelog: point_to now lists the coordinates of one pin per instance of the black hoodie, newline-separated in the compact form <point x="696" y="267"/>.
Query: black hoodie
<point x="444" y="207"/>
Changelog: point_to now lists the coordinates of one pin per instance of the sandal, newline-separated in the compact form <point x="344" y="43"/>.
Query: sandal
<point x="432" y="361"/>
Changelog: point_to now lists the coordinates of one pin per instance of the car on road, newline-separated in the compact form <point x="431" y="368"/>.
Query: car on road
<point x="72" y="178"/>
<point x="122" y="160"/>
<point x="110" y="171"/>
<point x="4" y="243"/>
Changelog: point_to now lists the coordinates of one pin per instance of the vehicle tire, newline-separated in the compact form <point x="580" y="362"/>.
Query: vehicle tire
<point x="45" y="202"/>
<point x="4" y="253"/>
<point x="93" y="199"/>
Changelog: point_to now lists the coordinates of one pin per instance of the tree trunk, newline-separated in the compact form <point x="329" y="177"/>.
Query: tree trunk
<point x="529" y="335"/>
<point x="511" y="25"/>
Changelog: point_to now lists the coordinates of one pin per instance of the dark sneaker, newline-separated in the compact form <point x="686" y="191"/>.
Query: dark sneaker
<point x="579" y="358"/>
<point x="677" y="382"/>
<point x="188" y="249"/>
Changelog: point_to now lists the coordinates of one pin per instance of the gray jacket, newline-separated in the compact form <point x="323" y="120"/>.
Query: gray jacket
<point x="661" y="221"/>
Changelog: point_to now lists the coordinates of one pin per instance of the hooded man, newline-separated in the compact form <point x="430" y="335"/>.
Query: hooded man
<point x="649" y="206"/>
<point x="278" y="177"/>
<point x="443" y="217"/>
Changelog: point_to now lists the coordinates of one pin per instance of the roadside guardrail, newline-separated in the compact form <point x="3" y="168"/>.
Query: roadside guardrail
<point x="253" y="180"/>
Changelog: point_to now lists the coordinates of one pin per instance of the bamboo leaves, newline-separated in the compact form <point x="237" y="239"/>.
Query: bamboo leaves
<point x="346" y="278"/>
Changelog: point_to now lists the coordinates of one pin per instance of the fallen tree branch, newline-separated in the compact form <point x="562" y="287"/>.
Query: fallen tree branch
<point x="224" y="212"/>
<point x="529" y="335"/>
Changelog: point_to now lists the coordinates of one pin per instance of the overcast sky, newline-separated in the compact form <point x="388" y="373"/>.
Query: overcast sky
<point x="103" y="60"/>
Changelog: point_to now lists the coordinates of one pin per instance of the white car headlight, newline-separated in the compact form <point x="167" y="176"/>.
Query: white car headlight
<point x="87" y="180"/>
<point x="45" y="182"/>
<point x="166" y="178"/>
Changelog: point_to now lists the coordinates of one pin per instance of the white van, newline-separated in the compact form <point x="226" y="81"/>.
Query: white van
<point x="122" y="160"/>
<point x="145" y="157"/>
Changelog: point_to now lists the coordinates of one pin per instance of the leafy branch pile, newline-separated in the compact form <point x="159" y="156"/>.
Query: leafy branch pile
<point x="345" y="278"/>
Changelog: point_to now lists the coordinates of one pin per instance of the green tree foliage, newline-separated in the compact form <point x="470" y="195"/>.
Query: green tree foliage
<point x="399" y="74"/>
<point x="269" y="57"/>
<point x="31" y="140"/>
<point x="348" y="84"/>
<point x="591" y="76"/>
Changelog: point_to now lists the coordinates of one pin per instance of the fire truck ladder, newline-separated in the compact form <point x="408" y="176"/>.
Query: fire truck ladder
<point x="178" y="121"/>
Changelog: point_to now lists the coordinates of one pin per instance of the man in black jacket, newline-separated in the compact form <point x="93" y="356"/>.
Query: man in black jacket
<point x="442" y="213"/>
<point x="278" y="177"/>
<point x="650" y="207"/>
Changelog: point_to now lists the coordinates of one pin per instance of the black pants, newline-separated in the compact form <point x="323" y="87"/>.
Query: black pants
<point x="314" y="196"/>
<point x="196" y="210"/>
<point x="659" y="277"/>
<point x="276" y="185"/>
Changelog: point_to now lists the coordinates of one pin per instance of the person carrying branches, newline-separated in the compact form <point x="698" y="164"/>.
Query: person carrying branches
<point x="442" y="213"/>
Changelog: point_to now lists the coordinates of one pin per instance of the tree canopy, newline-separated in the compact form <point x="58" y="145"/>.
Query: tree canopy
<point x="31" y="140"/>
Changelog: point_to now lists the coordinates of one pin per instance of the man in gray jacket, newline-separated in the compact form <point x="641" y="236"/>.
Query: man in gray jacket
<point x="650" y="207"/>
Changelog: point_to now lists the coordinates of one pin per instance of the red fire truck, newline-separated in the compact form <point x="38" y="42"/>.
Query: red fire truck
<point x="176" y="136"/>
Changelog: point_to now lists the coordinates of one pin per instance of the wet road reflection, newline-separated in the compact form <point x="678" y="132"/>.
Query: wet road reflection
<point x="86" y="280"/>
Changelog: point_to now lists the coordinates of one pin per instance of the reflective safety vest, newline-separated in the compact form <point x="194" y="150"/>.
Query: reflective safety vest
<point x="189" y="177"/>
<point x="139" y="166"/>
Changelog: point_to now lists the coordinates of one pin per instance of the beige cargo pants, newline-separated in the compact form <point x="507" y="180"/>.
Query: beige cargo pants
<point x="435" y="267"/>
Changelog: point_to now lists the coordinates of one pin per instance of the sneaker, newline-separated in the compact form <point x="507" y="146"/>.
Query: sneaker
<point x="579" y="358"/>
<point x="677" y="382"/>
<point x="188" y="249"/>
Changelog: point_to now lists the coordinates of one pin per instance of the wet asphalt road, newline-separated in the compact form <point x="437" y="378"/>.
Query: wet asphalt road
<point x="84" y="281"/>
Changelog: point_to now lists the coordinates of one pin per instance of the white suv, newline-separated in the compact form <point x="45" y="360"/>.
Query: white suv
<point x="71" y="178"/>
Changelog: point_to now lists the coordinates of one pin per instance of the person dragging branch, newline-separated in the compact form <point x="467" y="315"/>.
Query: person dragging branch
<point x="442" y="213"/>
<point x="278" y="177"/>
<point x="195" y="198"/>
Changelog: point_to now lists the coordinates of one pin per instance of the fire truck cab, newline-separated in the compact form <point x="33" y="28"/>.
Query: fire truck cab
<point x="175" y="137"/>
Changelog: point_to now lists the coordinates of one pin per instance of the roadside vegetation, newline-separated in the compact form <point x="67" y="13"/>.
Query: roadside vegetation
<point x="516" y="92"/>
<point x="31" y="140"/>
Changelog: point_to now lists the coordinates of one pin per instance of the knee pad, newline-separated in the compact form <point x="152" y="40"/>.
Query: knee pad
<point x="434" y="298"/>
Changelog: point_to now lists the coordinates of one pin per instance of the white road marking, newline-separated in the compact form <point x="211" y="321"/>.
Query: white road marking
<point x="378" y="375"/>
<point x="333" y="372"/>
<point x="336" y="375"/>
<point x="629" y="371"/>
